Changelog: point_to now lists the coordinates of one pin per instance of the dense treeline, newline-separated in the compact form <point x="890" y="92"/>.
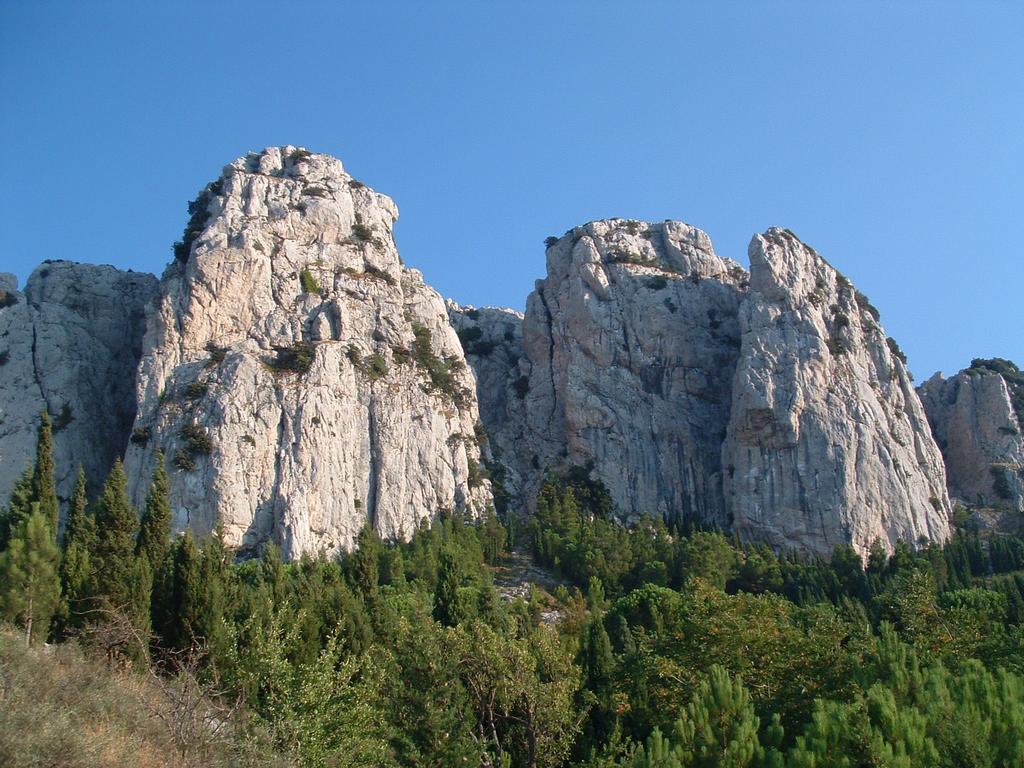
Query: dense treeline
<point x="660" y="647"/>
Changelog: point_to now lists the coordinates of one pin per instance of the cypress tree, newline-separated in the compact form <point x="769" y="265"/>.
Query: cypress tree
<point x="448" y="605"/>
<point x="155" y="528"/>
<point x="29" y="580"/>
<point x="76" y="566"/>
<point x="186" y="589"/>
<point x="44" y="488"/>
<point x="114" y="553"/>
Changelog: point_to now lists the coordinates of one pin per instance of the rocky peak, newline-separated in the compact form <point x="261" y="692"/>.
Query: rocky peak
<point x="977" y="422"/>
<point x="827" y="441"/>
<point x="69" y="343"/>
<point x="631" y="340"/>
<point x="299" y="379"/>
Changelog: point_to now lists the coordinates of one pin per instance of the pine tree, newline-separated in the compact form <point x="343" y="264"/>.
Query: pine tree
<point x="449" y="605"/>
<point x="365" y="561"/>
<point x="155" y="528"/>
<point x="29" y="580"/>
<point x="18" y="508"/>
<point x="718" y="728"/>
<point x="44" y="488"/>
<point x="114" y="553"/>
<point x="76" y="565"/>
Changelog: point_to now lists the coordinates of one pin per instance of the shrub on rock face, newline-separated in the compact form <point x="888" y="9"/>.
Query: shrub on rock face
<point x="7" y="298"/>
<point x="198" y="218"/>
<point x="297" y="358"/>
<point x="308" y="282"/>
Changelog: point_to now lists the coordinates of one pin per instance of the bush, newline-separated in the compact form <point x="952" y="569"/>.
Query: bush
<point x="64" y="418"/>
<point x="655" y="282"/>
<point x="217" y="354"/>
<point x="894" y="348"/>
<point x="836" y="346"/>
<point x="297" y="358"/>
<point x="379" y="274"/>
<point x="198" y="218"/>
<point x="309" y="283"/>
<point x="550" y="241"/>
<point x="197" y="442"/>
<point x="196" y="390"/>
<point x="362" y="232"/>
<point x="439" y="372"/>
<point x="476" y="474"/>
<point x="299" y="155"/>
<point x="141" y="435"/>
<point x="375" y="367"/>
<point x="867" y="306"/>
<point x="7" y="298"/>
<point x="314" y="191"/>
<point x="183" y="461"/>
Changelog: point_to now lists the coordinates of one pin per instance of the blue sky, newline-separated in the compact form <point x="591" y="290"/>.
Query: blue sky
<point x="890" y="136"/>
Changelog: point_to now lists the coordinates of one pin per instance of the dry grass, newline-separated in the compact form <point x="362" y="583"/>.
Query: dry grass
<point x="60" y="706"/>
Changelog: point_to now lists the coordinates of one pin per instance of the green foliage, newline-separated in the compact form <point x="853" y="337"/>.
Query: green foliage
<point x="64" y="418"/>
<point x="894" y="348"/>
<point x="376" y="367"/>
<point x="297" y="358"/>
<point x="440" y="372"/>
<point x="29" y="576"/>
<point x="7" y="298"/>
<point x="308" y="282"/>
<point x="113" y="556"/>
<point x="76" y="567"/>
<point x="198" y="217"/>
<point x="44" y="488"/>
<point x="153" y="542"/>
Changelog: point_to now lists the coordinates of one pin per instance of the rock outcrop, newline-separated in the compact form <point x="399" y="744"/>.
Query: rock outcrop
<point x="492" y="340"/>
<point x="769" y="403"/>
<point x="977" y="424"/>
<point x="298" y="378"/>
<point x="631" y="341"/>
<point x="827" y="441"/>
<point x="70" y="344"/>
<point x="302" y="382"/>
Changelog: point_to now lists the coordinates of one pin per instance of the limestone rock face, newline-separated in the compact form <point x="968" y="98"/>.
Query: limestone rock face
<point x="69" y="343"/>
<point x="979" y="432"/>
<point x="492" y="340"/>
<point x="632" y="339"/>
<point x="299" y="379"/>
<point x="827" y="441"/>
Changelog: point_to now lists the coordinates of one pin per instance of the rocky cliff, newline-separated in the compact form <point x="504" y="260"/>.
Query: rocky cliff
<point x="768" y="403"/>
<point x="631" y="341"/>
<point x="827" y="441"/>
<point x="299" y="379"/>
<point x="302" y="382"/>
<point x="976" y="417"/>
<point x="70" y="343"/>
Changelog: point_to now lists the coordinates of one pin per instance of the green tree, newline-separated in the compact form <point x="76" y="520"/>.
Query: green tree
<point x="44" y="488"/>
<point x="364" y="562"/>
<point x="114" y="555"/>
<point x="19" y="507"/>
<point x="155" y="528"/>
<point x="452" y="604"/>
<point x="718" y="728"/>
<point x="80" y="540"/>
<point x="29" y="576"/>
